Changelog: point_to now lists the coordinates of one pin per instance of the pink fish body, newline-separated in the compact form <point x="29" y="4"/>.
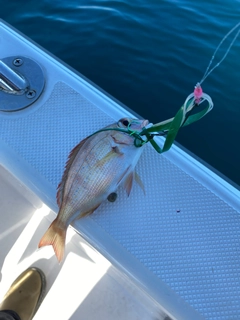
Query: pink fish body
<point x="96" y="167"/>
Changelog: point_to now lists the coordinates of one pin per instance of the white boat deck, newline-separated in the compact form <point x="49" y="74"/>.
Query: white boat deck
<point x="171" y="254"/>
<point x="86" y="286"/>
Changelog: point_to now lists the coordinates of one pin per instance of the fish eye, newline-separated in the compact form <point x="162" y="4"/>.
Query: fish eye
<point x="124" y="122"/>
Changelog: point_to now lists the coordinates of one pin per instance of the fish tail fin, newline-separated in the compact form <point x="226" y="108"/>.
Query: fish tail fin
<point x="55" y="236"/>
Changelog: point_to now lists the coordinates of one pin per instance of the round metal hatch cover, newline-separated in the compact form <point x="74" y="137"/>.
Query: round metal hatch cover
<point x="33" y="73"/>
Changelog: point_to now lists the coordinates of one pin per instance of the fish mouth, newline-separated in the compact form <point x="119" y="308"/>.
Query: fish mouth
<point x="144" y="123"/>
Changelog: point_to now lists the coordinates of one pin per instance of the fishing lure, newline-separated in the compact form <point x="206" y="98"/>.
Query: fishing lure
<point x="197" y="97"/>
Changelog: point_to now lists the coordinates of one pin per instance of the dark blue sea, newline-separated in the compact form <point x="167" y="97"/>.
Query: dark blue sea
<point x="149" y="54"/>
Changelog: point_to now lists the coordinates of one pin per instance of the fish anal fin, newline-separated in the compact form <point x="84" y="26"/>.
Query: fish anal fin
<point x="85" y="214"/>
<point x="71" y="157"/>
<point x="54" y="236"/>
<point x="139" y="182"/>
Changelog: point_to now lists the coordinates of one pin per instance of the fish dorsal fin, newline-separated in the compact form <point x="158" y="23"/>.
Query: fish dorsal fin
<point x="139" y="182"/>
<point x="71" y="157"/>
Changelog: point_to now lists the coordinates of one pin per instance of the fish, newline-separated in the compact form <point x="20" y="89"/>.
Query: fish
<point x="96" y="167"/>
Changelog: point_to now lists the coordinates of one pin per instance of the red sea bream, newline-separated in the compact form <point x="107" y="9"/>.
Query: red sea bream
<point x="96" y="167"/>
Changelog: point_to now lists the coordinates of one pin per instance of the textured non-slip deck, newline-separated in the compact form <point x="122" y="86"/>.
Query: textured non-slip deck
<point x="184" y="234"/>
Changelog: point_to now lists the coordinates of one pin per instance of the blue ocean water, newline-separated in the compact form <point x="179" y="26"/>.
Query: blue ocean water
<point x="149" y="54"/>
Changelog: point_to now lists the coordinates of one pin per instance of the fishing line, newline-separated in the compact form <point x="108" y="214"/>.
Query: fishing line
<point x="198" y="97"/>
<point x="208" y="72"/>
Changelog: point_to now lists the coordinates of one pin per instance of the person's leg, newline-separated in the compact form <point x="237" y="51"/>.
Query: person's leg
<point x="24" y="296"/>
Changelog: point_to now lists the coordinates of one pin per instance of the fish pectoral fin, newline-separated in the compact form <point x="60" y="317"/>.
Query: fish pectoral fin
<point x="54" y="236"/>
<point x="116" y="150"/>
<point x="139" y="182"/>
<point x="128" y="183"/>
